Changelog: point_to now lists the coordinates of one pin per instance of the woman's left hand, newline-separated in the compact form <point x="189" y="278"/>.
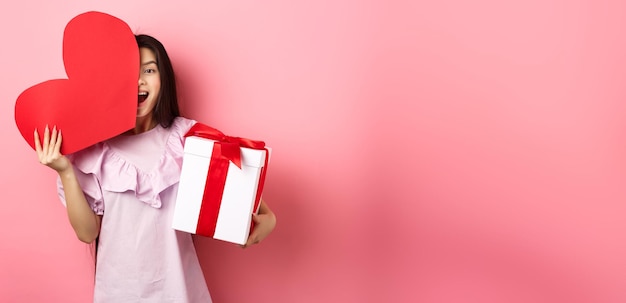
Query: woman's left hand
<point x="264" y="222"/>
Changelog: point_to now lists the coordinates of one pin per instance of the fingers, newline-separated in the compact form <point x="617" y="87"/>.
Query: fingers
<point x="51" y="141"/>
<point x="264" y="224"/>
<point x="46" y="139"/>
<point x="57" y="149"/>
<point x="53" y="138"/>
<point x="37" y="143"/>
<point x="50" y="148"/>
<point x="249" y="243"/>
<point x="253" y="238"/>
<point x="254" y="235"/>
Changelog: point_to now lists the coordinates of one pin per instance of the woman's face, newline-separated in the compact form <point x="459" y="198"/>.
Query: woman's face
<point x="149" y="84"/>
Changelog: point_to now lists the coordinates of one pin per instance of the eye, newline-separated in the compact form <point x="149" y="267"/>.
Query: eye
<point x="149" y="71"/>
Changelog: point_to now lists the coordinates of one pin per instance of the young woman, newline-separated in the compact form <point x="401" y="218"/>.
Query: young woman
<point x="121" y="192"/>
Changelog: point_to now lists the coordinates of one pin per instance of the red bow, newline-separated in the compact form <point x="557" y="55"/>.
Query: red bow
<point x="229" y="145"/>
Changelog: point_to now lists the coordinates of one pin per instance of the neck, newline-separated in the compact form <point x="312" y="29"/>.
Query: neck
<point x="143" y="124"/>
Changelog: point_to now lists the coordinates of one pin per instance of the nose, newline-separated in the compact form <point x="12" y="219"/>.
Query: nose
<point x="141" y="82"/>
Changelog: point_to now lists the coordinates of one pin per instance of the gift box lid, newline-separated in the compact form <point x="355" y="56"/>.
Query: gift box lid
<point x="203" y="147"/>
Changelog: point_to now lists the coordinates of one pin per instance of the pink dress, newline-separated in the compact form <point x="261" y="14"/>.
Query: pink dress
<point x="132" y="181"/>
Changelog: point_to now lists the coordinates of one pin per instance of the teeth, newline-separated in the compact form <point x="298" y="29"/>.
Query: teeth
<point x="143" y="93"/>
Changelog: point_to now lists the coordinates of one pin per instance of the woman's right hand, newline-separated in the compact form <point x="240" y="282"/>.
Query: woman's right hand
<point x="49" y="152"/>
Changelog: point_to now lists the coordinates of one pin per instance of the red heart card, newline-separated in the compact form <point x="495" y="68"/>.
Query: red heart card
<point x="98" y="100"/>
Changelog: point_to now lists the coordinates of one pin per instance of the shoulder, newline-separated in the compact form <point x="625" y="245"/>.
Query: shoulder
<point x="181" y="125"/>
<point x="91" y="159"/>
<point x="178" y="130"/>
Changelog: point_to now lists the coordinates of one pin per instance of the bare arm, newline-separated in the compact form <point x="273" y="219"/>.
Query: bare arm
<point x="85" y="222"/>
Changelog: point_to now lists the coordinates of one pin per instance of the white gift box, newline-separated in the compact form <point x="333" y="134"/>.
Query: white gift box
<point x="238" y="199"/>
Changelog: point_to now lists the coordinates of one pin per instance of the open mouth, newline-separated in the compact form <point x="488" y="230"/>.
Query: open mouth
<point x="142" y="97"/>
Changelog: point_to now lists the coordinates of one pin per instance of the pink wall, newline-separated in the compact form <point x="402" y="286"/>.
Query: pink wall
<point x="447" y="152"/>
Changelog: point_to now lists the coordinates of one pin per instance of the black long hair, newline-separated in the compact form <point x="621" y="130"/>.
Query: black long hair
<point x="166" y="108"/>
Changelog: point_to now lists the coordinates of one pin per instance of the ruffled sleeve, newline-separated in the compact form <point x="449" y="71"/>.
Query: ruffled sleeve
<point x="100" y="169"/>
<point x="88" y="181"/>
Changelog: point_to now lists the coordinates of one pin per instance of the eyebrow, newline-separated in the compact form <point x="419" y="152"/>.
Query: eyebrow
<point x="149" y="62"/>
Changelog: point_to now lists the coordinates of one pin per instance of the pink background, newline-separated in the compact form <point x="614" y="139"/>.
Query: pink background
<point x="446" y="152"/>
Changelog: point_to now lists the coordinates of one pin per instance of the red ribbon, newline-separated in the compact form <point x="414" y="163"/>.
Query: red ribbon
<point x="225" y="149"/>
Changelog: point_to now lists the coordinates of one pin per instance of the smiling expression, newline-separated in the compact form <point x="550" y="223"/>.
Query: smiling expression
<point x="149" y="85"/>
